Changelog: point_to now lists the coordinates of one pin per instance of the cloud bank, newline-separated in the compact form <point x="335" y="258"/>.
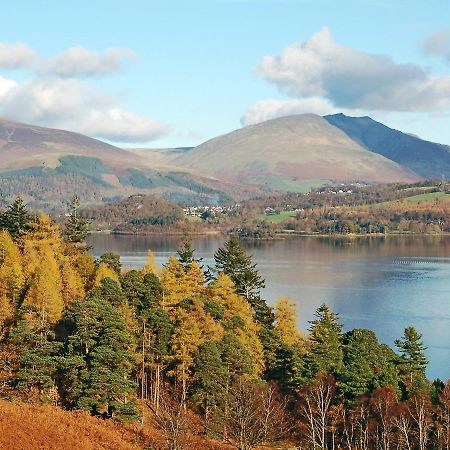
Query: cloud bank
<point x="57" y="94"/>
<point x="327" y="76"/>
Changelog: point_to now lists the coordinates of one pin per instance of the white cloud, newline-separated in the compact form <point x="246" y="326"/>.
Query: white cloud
<point x="74" y="105"/>
<point x="273" y="108"/>
<point x="438" y="44"/>
<point x="17" y="56"/>
<point x="54" y="95"/>
<point x="81" y="62"/>
<point x="350" y="78"/>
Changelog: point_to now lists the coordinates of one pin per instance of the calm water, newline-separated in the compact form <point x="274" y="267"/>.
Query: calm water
<point x="384" y="284"/>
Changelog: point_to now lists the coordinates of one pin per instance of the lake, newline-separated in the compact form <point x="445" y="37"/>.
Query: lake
<point x="381" y="283"/>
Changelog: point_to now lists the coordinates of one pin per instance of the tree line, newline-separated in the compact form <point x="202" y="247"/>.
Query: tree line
<point x="189" y="349"/>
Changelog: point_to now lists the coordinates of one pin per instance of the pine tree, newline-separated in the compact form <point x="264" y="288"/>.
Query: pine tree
<point x="234" y="262"/>
<point x="413" y="359"/>
<point x="100" y="361"/>
<point x="38" y="349"/>
<point x="112" y="260"/>
<point x="286" y="321"/>
<point x="186" y="255"/>
<point x="325" y="352"/>
<point x="15" y="218"/>
<point x="76" y="228"/>
<point x="211" y="378"/>
<point x="72" y="283"/>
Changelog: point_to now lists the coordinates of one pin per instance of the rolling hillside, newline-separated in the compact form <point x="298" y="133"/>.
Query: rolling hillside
<point x="427" y="159"/>
<point x="291" y="153"/>
<point x="47" y="166"/>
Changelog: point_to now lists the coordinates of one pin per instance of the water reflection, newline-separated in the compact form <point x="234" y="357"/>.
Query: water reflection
<point x="382" y="283"/>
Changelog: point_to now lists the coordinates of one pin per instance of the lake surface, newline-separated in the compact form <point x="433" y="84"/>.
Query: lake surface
<point x="382" y="283"/>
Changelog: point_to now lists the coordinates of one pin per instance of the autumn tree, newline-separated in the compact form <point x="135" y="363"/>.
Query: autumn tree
<point x="234" y="262"/>
<point x="286" y="321"/>
<point x="11" y="276"/>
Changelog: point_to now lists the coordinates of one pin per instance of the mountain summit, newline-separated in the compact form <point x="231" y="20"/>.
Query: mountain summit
<point x="289" y="153"/>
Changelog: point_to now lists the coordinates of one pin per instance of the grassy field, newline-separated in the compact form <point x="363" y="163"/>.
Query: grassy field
<point x="428" y="197"/>
<point x="276" y="218"/>
<point x="280" y="183"/>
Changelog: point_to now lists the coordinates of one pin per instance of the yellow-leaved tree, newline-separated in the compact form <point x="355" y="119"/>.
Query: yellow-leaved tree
<point x="103" y="271"/>
<point x="73" y="287"/>
<point x="286" y="321"/>
<point x="223" y="291"/>
<point x="150" y="266"/>
<point x="11" y="274"/>
<point x="179" y="285"/>
<point x="45" y="287"/>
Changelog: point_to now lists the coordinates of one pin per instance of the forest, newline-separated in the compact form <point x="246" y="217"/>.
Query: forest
<point x="196" y="354"/>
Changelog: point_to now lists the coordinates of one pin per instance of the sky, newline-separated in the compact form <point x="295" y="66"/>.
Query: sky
<point x="176" y="73"/>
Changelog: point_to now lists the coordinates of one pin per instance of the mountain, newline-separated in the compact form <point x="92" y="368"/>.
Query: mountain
<point x="47" y="166"/>
<point x="290" y="153"/>
<point x="426" y="159"/>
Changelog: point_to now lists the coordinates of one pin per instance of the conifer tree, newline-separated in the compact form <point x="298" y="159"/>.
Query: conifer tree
<point x="150" y="267"/>
<point x="98" y="350"/>
<point x="413" y="359"/>
<point x="38" y="349"/>
<point x="325" y="352"/>
<point x="15" y="218"/>
<point x="187" y="337"/>
<point x="234" y="262"/>
<point x="286" y="321"/>
<point x="186" y="255"/>
<point x="104" y="271"/>
<point x="211" y="377"/>
<point x="11" y="276"/>
<point x="112" y="260"/>
<point x="44" y="290"/>
<point x="72" y="283"/>
<point x="76" y="228"/>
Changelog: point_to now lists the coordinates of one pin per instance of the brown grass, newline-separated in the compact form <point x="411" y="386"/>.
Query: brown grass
<point x="30" y="427"/>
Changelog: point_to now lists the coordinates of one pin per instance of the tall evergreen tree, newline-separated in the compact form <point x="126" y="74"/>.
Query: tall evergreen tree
<point x="76" y="228"/>
<point x="413" y="359"/>
<point x="15" y="218"/>
<point x="186" y="255"/>
<point x="325" y="352"/>
<point x="234" y="262"/>
<point x="101" y="343"/>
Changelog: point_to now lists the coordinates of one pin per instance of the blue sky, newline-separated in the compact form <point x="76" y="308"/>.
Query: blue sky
<point x="180" y="72"/>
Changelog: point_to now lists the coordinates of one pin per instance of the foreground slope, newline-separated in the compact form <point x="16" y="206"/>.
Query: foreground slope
<point x="46" y="427"/>
<point x="427" y="159"/>
<point x="290" y="151"/>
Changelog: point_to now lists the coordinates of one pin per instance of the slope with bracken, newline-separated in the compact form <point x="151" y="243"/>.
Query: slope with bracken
<point x="291" y="153"/>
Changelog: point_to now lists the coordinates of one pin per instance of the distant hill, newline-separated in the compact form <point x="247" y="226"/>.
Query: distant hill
<point x="426" y="159"/>
<point x="47" y="166"/>
<point x="291" y="154"/>
<point x="135" y="212"/>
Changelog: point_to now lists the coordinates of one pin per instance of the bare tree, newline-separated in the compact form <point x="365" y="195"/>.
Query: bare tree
<point x="420" y="409"/>
<point x="254" y="414"/>
<point x="404" y="424"/>
<point x="315" y="404"/>
<point x="171" y="418"/>
<point x="383" y="403"/>
<point x="444" y="415"/>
